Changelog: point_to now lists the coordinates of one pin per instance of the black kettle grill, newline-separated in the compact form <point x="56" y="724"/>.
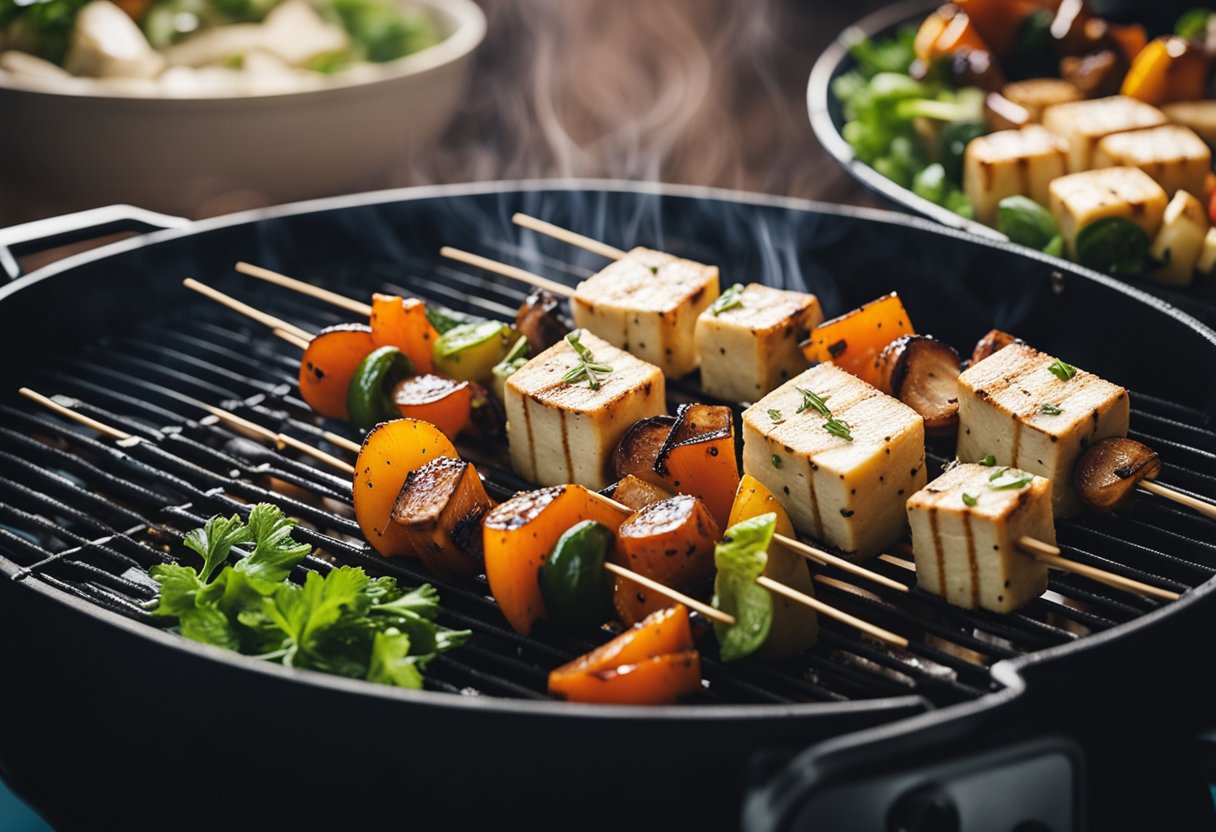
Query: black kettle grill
<point x="1079" y="712"/>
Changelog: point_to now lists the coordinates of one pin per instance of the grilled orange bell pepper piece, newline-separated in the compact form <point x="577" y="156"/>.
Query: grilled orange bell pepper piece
<point x="795" y="627"/>
<point x="390" y="451"/>
<point x="445" y="403"/>
<point x="328" y="364"/>
<point x="854" y="340"/>
<point x="698" y="458"/>
<point x="653" y="663"/>
<point x="519" y="535"/>
<point x="440" y="508"/>
<point x="671" y="541"/>
<point x="945" y="31"/>
<point x="1167" y="69"/>
<point x="402" y="323"/>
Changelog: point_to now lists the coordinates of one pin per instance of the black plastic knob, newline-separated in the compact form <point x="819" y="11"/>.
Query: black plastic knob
<point x="924" y="809"/>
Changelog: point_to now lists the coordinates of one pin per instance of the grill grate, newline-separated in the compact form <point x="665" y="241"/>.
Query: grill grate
<point x="90" y="518"/>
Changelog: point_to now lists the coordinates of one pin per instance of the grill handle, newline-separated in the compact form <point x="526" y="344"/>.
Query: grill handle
<point x="40" y="235"/>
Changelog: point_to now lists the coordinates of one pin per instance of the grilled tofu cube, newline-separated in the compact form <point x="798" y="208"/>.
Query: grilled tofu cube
<point x="966" y="546"/>
<point x="565" y="432"/>
<point x="849" y="494"/>
<point x="1084" y="123"/>
<point x="647" y="303"/>
<point x="1011" y="162"/>
<point x="1200" y="116"/>
<point x="1080" y="198"/>
<point x="751" y="348"/>
<point x="1172" y="154"/>
<point x="1007" y="407"/>
<point x="1206" y="264"/>
<point x="1037" y="94"/>
<point x="1180" y="240"/>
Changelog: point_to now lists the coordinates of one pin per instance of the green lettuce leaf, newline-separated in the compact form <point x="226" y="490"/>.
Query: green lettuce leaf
<point x="740" y="559"/>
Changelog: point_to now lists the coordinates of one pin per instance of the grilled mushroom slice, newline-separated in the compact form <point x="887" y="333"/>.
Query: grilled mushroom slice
<point x="1108" y="472"/>
<point x="995" y="340"/>
<point x="637" y="493"/>
<point x="539" y="319"/>
<point x="638" y="450"/>
<point x="922" y="372"/>
<point x="440" y="508"/>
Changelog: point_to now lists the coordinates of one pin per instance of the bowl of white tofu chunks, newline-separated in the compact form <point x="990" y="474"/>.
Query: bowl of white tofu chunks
<point x="1040" y="123"/>
<point x="199" y="107"/>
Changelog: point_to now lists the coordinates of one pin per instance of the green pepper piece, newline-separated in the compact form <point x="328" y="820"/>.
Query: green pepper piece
<point x="1193" y="25"/>
<point x="515" y="358"/>
<point x="1113" y="245"/>
<point x="1025" y="222"/>
<point x="573" y="581"/>
<point x="468" y="352"/>
<point x="740" y="559"/>
<point x="952" y="144"/>
<point x="930" y="183"/>
<point x="368" y="397"/>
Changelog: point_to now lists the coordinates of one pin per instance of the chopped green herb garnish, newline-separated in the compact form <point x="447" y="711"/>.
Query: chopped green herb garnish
<point x="838" y="427"/>
<point x="344" y="623"/>
<point x="1061" y="370"/>
<point x="587" y="367"/>
<point x="814" y="400"/>
<point x="730" y="299"/>
<point x="1050" y="409"/>
<point x="1010" y="479"/>
<point x="775" y="415"/>
<point x="988" y="460"/>
<point x="776" y="461"/>
<point x="968" y="499"/>
<point x="653" y="269"/>
<point x="999" y="472"/>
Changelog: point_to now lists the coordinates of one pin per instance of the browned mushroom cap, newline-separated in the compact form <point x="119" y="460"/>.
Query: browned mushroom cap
<point x="637" y="493"/>
<point x="539" y="319"/>
<point x="992" y="342"/>
<point x="1097" y="74"/>
<point x="639" y="448"/>
<point x="1108" y="472"/>
<point x="922" y="372"/>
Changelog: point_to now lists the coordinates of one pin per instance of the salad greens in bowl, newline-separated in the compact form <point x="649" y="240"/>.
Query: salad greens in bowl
<point x="1037" y="122"/>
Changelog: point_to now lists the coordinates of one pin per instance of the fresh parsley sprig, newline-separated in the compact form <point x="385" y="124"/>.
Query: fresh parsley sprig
<point x="345" y="623"/>
<point x="587" y="367"/>
<point x="1061" y="370"/>
<point x="730" y="299"/>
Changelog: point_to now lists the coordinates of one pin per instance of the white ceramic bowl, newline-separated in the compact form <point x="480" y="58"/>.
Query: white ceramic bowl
<point x="204" y="155"/>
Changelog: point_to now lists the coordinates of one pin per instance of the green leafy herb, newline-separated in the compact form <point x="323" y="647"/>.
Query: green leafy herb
<point x="838" y="427"/>
<point x="775" y="415"/>
<point x="811" y="399"/>
<point x="988" y="460"/>
<point x="1050" y="409"/>
<point x="741" y="558"/>
<point x="1193" y="25"/>
<point x="1009" y="479"/>
<point x="730" y="299"/>
<point x="998" y="473"/>
<point x="587" y="367"/>
<point x="1114" y="245"/>
<point x="776" y="460"/>
<point x="344" y="622"/>
<point x="1061" y="370"/>
<point x="968" y="499"/>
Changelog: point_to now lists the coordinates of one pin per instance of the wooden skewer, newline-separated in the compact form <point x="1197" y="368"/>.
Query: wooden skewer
<point x="832" y="612"/>
<point x="349" y="304"/>
<point x="245" y="309"/>
<point x="1204" y="508"/>
<point x="1050" y="555"/>
<point x="294" y="340"/>
<point x="513" y="272"/>
<point x="76" y="416"/>
<point x="675" y="595"/>
<point x="568" y="236"/>
<point x="279" y="439"/>
<point x="827" y="558"/>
